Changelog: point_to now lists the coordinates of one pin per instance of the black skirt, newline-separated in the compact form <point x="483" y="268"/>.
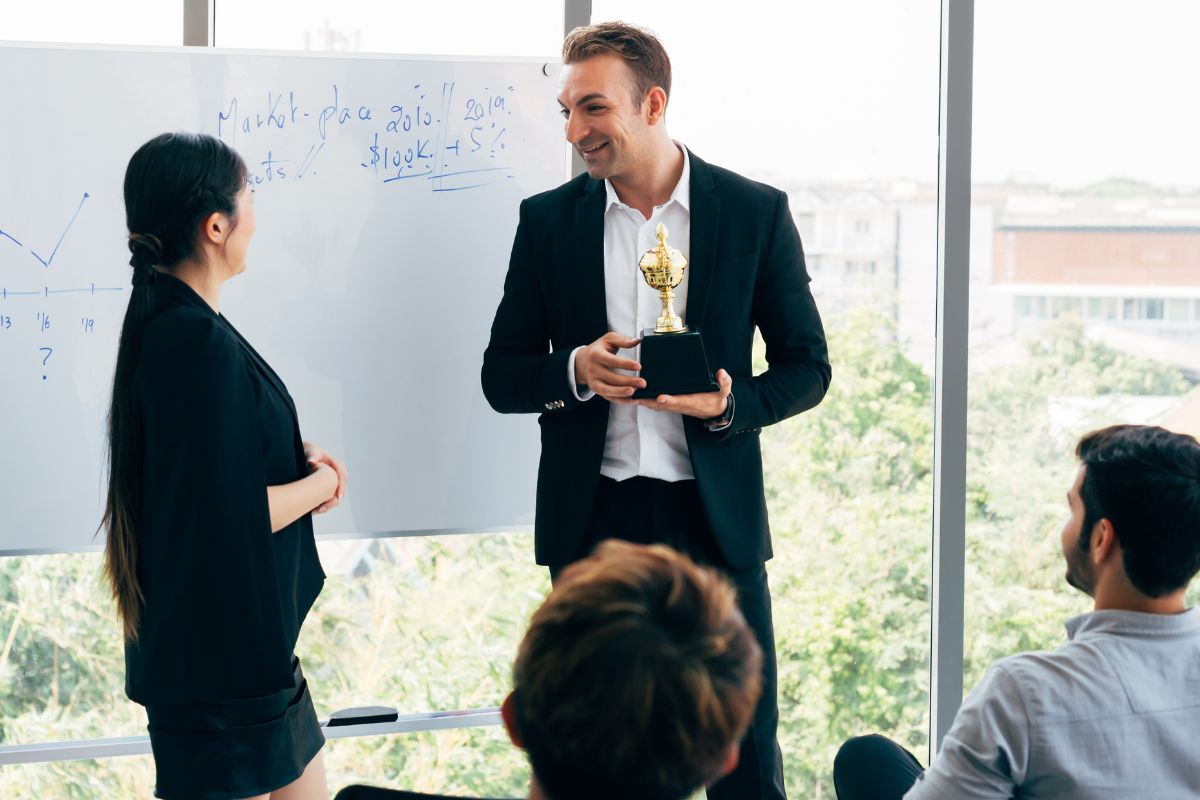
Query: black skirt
<point x="236" y="748"/>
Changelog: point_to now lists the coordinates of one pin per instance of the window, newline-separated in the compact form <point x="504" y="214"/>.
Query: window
<point x="1102" y="308"/>
<point x="848" y="482"/>
<point x="805" y="223"/>
<point x="477" y="28"/>
<point x="1143" y="308"/>
<point x="138" y="22"/>
<point x="1054" y="188"/>
<point x="393" y="624"/>
<point x="1064" y="306"/>
<point x="398" y="622"/>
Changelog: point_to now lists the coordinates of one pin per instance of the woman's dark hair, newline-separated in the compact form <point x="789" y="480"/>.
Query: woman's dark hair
<point x="173" y="183"/>
<point x="1146" y="482"/>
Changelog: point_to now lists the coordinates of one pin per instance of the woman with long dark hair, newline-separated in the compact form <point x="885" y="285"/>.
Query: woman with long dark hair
<point x="210" y="551"/>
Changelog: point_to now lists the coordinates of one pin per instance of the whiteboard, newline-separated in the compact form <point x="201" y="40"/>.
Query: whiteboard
<point x="387" y="191"/>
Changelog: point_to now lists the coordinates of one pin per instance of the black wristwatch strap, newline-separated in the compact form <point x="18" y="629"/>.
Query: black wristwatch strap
<point x="723" y="421"/>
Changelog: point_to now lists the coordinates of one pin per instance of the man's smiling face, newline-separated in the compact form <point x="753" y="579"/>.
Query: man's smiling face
<point x="603" y="123"/>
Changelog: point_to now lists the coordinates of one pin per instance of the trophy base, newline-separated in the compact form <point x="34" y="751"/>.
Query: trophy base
<point x="674" y="363"/>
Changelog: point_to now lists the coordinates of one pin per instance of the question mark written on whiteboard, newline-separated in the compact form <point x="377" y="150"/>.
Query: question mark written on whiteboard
<point x="48" y="351"/>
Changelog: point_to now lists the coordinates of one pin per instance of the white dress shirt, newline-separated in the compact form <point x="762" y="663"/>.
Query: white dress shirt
<point x="1113" y="714"/>
<point x="641" y="441"/>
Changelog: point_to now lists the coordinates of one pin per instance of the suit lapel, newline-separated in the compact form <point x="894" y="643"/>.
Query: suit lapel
<point x="588" y="294"/>
<point x="702" y="255"/>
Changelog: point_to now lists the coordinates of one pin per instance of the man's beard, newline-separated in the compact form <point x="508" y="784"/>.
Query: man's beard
<point x="1079" y="571"/>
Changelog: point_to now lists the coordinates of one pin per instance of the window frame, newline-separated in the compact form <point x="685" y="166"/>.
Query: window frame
<point x="949" y="381"/>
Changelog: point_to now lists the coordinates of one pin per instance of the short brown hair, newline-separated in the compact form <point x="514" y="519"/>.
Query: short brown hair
<point x="636" y="676"/>
<point x="643" y="53"/>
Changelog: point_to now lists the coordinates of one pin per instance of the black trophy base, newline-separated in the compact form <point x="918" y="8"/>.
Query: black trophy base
<point x="674" y="363"/>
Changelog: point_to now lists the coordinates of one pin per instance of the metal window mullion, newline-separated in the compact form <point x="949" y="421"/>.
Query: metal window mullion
<point x="199" y="22"/>
<point x="950" y="371"/>
<point x="576" y="13"/>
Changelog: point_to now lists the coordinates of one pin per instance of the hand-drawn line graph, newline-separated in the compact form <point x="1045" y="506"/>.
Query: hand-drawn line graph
<point x="48" y="260"/>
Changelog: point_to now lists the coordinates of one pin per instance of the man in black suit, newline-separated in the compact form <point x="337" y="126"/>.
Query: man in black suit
<point x="679" y="470"/>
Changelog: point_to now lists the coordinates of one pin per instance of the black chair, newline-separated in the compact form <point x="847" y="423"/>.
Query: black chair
<point x="361" y="792"/>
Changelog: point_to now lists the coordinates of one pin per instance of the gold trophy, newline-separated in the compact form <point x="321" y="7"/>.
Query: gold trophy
<point x="673" y="359"/>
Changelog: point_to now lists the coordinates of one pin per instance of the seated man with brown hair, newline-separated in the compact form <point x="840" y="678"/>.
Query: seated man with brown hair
<point x="636" y="680"/>
<point x="1115" y="711"/>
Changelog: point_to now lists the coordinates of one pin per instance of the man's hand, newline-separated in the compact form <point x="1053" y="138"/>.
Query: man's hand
<point x="703" y="405"/>
<point x="596" y="368"/>
<point x="316" y="457"/>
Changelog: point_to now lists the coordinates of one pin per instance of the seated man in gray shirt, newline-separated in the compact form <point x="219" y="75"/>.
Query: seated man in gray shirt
<point x="1114" y="712"/>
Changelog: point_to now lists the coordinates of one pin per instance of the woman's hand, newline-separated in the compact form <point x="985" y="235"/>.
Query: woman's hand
<point x="318" y="458"/>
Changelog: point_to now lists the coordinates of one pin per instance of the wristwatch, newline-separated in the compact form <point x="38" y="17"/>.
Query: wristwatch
<point x="720" y="423"/>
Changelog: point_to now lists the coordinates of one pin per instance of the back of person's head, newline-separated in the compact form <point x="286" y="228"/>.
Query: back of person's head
<point x="642" y="51"/>
<point x="173" y="183"/>
<point x="1146" y="482"/>
<point x="637" y="678"/>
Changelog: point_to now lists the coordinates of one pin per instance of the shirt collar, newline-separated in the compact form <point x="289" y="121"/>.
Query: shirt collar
<point x="1134" y="623"/>
<point x="681" y="194"/>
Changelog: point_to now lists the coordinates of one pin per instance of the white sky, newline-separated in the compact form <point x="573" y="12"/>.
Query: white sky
<point x="1066" y="91"/>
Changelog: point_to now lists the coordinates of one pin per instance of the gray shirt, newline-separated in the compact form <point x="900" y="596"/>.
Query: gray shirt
<point x="1113" y="713"/>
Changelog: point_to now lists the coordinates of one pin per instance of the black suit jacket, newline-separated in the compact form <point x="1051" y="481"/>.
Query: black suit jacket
<point x="746" y="271"/>
<point x="224" y="597"/>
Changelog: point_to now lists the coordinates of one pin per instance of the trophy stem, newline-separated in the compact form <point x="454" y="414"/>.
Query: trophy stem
<point x="669" y="322"/>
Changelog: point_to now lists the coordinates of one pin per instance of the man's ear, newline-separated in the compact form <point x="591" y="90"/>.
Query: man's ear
<point x="508" y="713"/>
<point x="731" y="759"/>
<point x="1103" y="544"/>
<point x="656" y="105"/>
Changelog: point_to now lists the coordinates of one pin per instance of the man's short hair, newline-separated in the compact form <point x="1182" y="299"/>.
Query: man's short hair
<point x="1145" y="481"/>
<point x="637" y="675"/>
<point x="643" y="53"/>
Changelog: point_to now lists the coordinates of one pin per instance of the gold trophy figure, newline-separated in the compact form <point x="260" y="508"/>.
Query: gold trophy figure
<point x="663" y="268"/>
<point x="673" y="359"/>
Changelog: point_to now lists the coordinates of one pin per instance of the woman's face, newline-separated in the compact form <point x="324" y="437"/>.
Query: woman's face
<point x="239" y="238"/>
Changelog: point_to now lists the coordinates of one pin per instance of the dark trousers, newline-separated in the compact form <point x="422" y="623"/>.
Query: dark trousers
<point x="648" y="511"/>
<point x="874" y="768"/>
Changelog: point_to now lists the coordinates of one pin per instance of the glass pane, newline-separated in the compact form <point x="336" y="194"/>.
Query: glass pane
<point x="850" y="133"/>
<point x="477" y="27"/>
<point x="1070" y="201"/>
<point x="143" y="22"/>
<point x="422" y="624"/>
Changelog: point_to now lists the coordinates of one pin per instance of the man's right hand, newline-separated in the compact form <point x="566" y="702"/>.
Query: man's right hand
<point x="596" y="368"/>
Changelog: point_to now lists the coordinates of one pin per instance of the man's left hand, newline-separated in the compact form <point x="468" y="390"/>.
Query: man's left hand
<point x="704" y="405"/>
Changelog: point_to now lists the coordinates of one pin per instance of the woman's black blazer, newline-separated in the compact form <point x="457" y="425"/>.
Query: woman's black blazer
<point x="224" y="597"/>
